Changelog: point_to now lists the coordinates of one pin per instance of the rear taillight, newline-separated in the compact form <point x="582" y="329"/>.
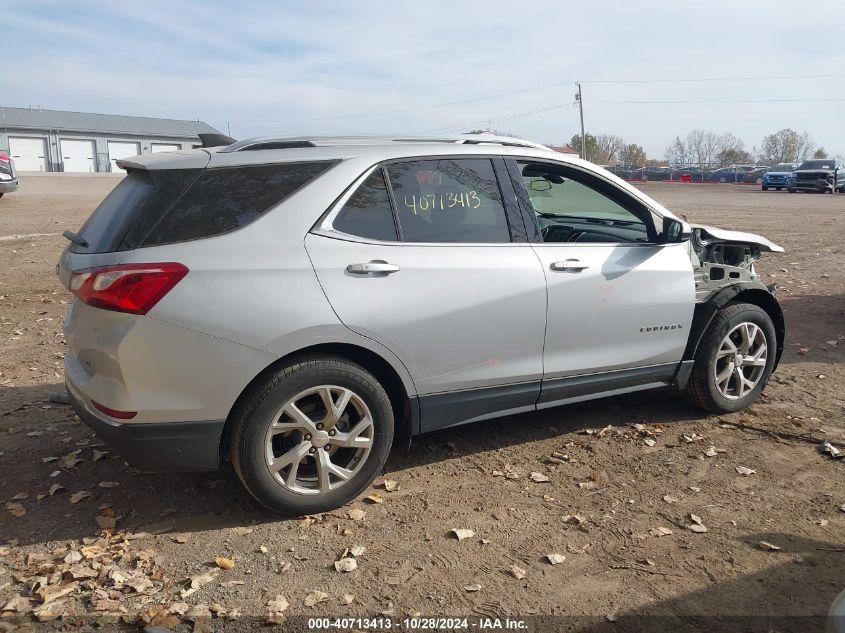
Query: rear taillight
<point x="114" y="413"/>
<point x="132" y="288"/>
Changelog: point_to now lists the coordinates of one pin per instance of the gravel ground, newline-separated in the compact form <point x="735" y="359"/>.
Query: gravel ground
<point x="618" y="506"/>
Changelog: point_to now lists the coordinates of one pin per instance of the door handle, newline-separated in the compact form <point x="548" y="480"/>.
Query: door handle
<point x="375" y="266"/>
<point x="570" y="265"/>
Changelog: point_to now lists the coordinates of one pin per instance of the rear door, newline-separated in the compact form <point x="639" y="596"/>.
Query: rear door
<point x="420" y="256"/>
<point x="620" y="302"/>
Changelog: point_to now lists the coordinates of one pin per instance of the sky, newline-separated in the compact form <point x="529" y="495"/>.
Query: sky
<point x="340" y="67"/>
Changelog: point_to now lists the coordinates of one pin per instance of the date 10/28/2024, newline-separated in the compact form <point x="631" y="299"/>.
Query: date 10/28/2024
<point x="442" y="201"/>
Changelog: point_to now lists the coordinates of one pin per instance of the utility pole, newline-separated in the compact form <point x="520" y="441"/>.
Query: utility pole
<point x="579" y="99"/>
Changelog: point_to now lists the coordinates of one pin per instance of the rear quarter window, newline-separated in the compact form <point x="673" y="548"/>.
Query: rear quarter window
<point x="227" y="198"/>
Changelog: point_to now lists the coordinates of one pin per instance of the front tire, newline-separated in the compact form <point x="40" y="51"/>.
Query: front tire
<point x="734" y="360"/>
<point x="312" y="436"/>
<point x="765" y="188"/>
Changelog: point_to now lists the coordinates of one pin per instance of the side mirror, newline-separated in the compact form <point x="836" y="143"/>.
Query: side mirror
<point x="673" y="231"/>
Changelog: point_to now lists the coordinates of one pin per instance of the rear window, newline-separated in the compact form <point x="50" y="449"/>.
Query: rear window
<point x="368" y="212"/>
<point x="228" y="198"/>
<point x="149" y="208"/>
<point x="132" y="208"/>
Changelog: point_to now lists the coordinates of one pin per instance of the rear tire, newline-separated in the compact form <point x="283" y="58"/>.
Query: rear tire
<point x="741" y="341"/>
<point x="765" y="188"/>
<point x="312" y="436"/>
<point x="791" y="190"/>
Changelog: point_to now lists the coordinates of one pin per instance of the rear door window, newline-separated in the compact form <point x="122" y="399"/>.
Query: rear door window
<point x="448" y="200"/>
<point x="227" y="198"/>
<point x="368" y="212"/>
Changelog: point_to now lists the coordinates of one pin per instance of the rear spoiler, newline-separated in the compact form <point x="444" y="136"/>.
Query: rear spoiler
<point x="215" y="140"/>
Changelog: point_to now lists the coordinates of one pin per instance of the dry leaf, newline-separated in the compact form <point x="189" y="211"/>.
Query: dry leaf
<point x="374" y="498"/>
<point x="21" y="496"/>
<point x="461" y="534"/>
<point x="390" y="485"/>
<point x="695" y="489"/>
<point x="276" y="608"/>
<point x="660" y="531"/>
<point x="97" y="455"/>
<point x="348" y="598"/>
<point x="697" y="528"/>
<point x="225" y="563"/>
<point x="55" y="488"/>
<point x="472" y="588"/>
<point x="242" y="531"/>
<point x="17" y="604"/>
<point x="81" y="572"/>
<point x="16" y="509"/>
<point x="765" y="545"/>
<point x="670" y="499"/>
<point x="76" y="497"/>
<point x="539" y="478"/>
<point x="54" y="592"/>
<point x="346" y="564"/>
<point x="140" y="585"/>
<point x="182" y="538"/>
<point x="315" y="597"/>
<point x="263" y="549"/>
<point x="555" y="559"/>
<point x="356" y="514"/>
<point x="109" y="484"/>
<point x="742" y="470"/>
<point x="105" y="522"/>
<point x="517" y="572"/>
<point x="711" y="452"/>
<point x="73" y="557"/>
<point x="194" y="583"/>
<point x="649" y="442"/>
<point x="178" y="608"/>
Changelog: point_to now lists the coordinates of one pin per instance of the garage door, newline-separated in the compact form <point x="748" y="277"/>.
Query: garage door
<point x="121" y="150"/>
<point x="163" y="147"/>
<point x="78" y="155"/>
<point x="29" y="154"/>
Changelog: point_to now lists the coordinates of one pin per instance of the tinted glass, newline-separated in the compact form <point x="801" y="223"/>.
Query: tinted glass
<point x="572" y="211"/>
<point x="817" y="164"/>
<point x="368" y="212"/>
<point x="782" y="167"/>
<point x="228" y="198"/>
<point x="139" y="200"/>
<point x="448" y="200"/>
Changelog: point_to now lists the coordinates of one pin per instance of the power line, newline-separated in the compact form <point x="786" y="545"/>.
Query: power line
<point x="509" y="117"/>
<point x="537" y="89"/>
<point x="729" y="100"/>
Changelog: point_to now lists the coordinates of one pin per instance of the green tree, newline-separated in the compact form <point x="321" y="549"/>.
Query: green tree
<point x="820" y="153"/>
<point x="632" y="154"/>
<point x="592" y="146"/>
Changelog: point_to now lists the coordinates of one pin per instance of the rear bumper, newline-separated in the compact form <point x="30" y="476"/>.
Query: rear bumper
<point x="8" y="186"/>
<point x="157" y="446"/>
<point x="812" y="185"/>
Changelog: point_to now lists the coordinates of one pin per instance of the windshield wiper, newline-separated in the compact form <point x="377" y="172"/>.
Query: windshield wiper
<point x="594" y="220"/>
<point x="74" y="238"/>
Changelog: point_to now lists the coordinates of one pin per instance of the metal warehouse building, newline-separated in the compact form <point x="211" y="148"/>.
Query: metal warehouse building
<point x="54" y="140"/>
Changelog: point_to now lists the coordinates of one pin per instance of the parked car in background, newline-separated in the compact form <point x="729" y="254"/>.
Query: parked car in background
<point x="724" y="174"/>
<point x="696" y="174"/>
<point x="626" y="172"/>
<point x="295" y="304"/>
<point x="822" y="175"/>
<point x="8" y="178"/>
<point x="755" y="175"/>
<point x="656" y="172"/>
<point x="779" y="176"/>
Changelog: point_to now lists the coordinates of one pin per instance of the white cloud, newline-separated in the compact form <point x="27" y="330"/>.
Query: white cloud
<point x="284" y="63"/>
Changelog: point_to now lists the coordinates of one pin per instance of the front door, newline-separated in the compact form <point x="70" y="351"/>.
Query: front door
<point x="620" y="301"/>
<point x="420" y="258"/>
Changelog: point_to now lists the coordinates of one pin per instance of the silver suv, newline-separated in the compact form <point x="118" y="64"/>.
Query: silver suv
<point x="299" y="305"/>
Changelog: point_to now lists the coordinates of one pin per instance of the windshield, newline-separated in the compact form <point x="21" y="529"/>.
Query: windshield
<point x="782" y="167"/>
<point x="817" y="164"/>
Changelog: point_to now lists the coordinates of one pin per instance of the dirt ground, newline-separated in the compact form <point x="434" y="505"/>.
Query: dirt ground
<point x="616" y="488"/>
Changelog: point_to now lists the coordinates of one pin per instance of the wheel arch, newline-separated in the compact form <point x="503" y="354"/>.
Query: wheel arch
<point x="739" y="293"/>
<point x="405" y="405"/>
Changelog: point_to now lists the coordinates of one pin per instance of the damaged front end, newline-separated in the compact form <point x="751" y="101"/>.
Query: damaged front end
<point x="723" y="258"/>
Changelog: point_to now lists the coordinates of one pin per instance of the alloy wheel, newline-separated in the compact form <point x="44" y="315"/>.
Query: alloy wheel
<point x="319" y="439"/>
<point x="740" y="361"/>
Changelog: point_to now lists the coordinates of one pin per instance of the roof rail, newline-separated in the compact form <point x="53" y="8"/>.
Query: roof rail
<point x="295" y="142"/>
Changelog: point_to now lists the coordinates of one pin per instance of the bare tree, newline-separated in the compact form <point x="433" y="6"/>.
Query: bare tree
<point x="607" y="146"/>
<point x="731" y="150"/>
<point x="786" y="146"/>
<point x="676" y="153"/>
